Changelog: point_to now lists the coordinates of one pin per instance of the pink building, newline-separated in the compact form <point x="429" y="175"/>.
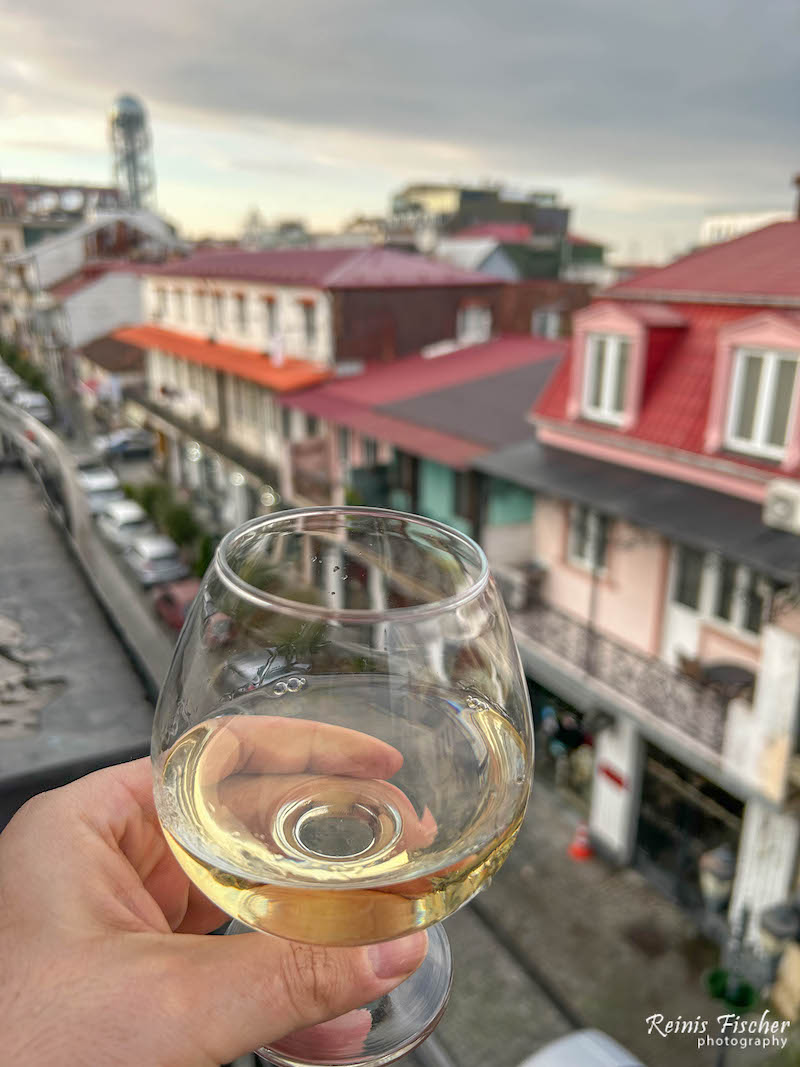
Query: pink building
<point x="665" y="619"/>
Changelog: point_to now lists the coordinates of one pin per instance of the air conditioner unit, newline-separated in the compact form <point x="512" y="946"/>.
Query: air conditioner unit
<point x="519" y="585"/>
<point x="782" y="505"/>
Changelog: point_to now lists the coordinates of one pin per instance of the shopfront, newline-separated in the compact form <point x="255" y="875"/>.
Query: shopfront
<point x="682" y="816"/>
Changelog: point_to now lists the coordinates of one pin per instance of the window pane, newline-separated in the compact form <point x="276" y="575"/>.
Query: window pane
<point x="579" y="533"/>
<point x="725" y="589"/>
<point x="600" y="541"/>
<point x="343" y="436"/>
<point x="748" y="395"/>
<point x="597" y="364"/>
<point x="689" y="576"/>
<point x="622" y="376"/>
<point x="754" y="605"/>
<point x="781" y="402"/>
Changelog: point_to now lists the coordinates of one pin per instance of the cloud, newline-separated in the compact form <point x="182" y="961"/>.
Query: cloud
<point x="684" y="104"/>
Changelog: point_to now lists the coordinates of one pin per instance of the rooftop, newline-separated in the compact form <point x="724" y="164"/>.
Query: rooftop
<point x="498" y="231"/>
<point x="324" y="268"/>
<point x="92" y="272"/>
<point x="114" y="356"/>
<point x="241" y="362"/>
<point x="451" y="408"/>
<point x="757" y="268"/>
<point x="674" y="409"/>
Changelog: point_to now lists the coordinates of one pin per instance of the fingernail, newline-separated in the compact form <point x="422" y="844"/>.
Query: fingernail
<point x="392" y="958"/>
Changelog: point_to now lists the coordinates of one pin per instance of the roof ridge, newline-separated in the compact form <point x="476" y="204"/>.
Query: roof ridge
<point x="348" y="261"/>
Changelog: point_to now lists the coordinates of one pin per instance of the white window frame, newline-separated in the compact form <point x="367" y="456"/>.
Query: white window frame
<point x="474" y="323"/>
<point x="209" y="389"/>
<point x="743" y="575"/>
<point x="550" y="319"/>
<point x="271" y="317"/>
<point x="219" y="309"/>
<point x="615" y="344"/>
<point x="765" y="401"/>
<point x="242" y="313"/>
<point x="199" y="307"/>
<point x="310" y="323"/>
<point x="589" y="560"/>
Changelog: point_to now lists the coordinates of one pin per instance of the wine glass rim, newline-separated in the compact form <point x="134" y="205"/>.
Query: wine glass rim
<point x="315" y="611"/>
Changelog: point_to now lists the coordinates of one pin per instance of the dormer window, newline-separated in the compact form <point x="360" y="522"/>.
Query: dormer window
<point x="761" y="401"/>
<point x="606" y="377"/>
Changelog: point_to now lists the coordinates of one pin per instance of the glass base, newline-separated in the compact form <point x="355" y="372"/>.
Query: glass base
<point x="380" y="1032"/>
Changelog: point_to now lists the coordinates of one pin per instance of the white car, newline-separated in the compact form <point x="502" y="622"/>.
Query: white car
<point x="122" y="521"/>
<point x="155" y="560"/>
<point x="583" y="1048"/>
<point x="10" y="382"/>
<point x="35" y="404"/>
<point x="101" y="487"/>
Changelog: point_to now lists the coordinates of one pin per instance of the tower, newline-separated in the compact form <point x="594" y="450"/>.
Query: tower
<point x="131" y="146"/>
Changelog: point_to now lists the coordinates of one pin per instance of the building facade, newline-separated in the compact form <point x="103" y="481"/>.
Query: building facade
<point x="663" y="625"/>
<point x="76" y="286"/>
<point x="229" y="336"/>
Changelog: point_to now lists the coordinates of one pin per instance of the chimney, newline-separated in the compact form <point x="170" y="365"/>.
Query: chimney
<point x="796" y="184"/>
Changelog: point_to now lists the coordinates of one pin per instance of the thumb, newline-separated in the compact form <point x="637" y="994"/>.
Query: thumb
<point x="242" y="992"/>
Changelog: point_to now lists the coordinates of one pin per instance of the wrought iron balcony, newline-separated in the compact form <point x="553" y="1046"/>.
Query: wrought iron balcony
<point x="651" y="685"/>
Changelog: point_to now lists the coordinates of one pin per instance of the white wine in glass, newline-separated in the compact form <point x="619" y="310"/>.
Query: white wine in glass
<point x="342" y="749"/>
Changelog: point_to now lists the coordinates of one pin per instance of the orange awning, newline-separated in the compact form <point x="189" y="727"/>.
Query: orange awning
<point x="242" y="362"/>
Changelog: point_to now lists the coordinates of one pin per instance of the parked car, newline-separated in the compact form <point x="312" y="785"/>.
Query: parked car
<point x="127" y="443"/>
<point x="122" y="521"/>
<point x="101" y="487"/>
<point x="35" y="404"/>
<point x="10" y="382"/>
<point x="88" y="461"/>
<point x="583" y="1048"/>
<point x="155" y="560"/>
<point x="174" y="600"/>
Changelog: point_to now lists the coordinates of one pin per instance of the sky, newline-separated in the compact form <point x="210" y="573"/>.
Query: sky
<point x="643" y="114"/>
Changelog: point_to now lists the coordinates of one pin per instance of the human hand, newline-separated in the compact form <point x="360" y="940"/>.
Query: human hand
<point x="103" y="958"/>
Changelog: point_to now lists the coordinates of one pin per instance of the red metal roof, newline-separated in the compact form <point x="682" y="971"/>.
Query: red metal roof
<point x="755" y="268"/>
<point x="674" y="410"/>
<point x="355" y="402"/>
<point x="419" y="441"/>
<point x="504" y="232"/>
<point x="242" y="362"/>
<point x="414" y="375"/>
<point x="325" y="268"/>
<point x="91" y="272"/>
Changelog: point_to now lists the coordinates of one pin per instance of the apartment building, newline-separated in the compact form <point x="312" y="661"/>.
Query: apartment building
<point x="230" y="334"/>
<point x="664" y="622"/>
<point x="75" y="286"/>
<point x="405" y="435"/>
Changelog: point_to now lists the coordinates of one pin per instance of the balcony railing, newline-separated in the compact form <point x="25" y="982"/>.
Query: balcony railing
<point x="214" y="439"/>
<point x="694" y="709"/>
